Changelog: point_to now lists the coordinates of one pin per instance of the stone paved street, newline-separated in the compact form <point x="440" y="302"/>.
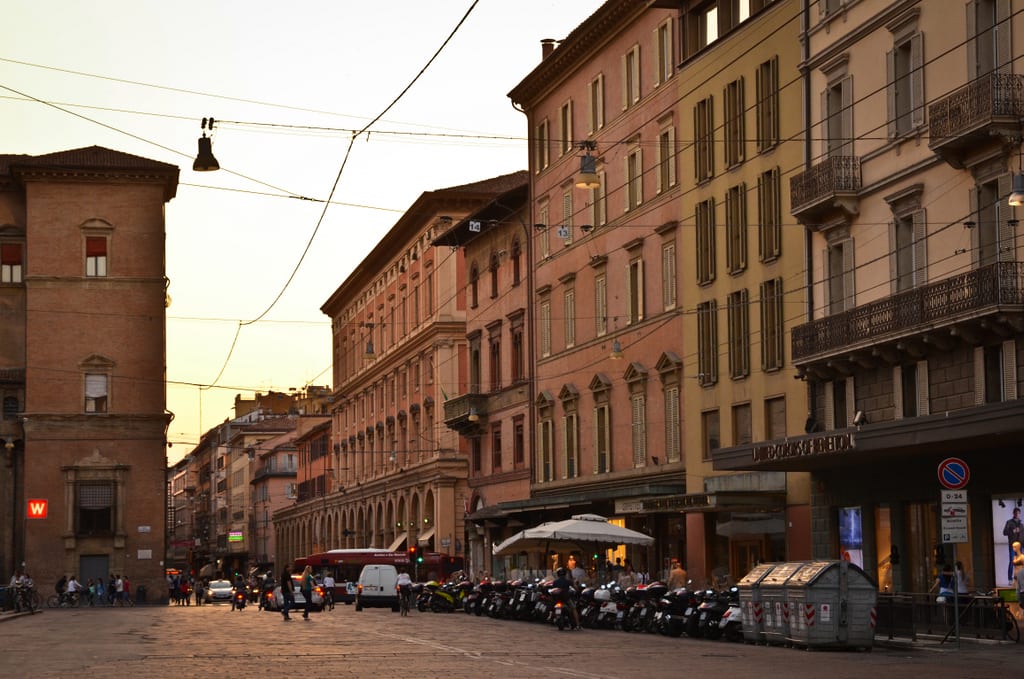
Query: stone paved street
<point x="151" y="642"/>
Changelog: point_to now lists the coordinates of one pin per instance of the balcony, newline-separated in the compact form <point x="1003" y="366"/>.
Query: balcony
<point x="972" y="307"/>
<point x="459" y="411"/>
<point x="826" y="192"/>
<point x="964" y="125"/>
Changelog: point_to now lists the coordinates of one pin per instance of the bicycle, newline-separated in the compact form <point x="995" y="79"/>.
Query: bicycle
<point x="404" y="594"/>
<point x="26" y="599"/>
<point x="1009" y="626"/>
<point x="65" y="600"/>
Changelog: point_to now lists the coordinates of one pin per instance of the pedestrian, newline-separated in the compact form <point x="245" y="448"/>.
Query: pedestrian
<point x="627" y="578"/>
<point x="198" y="591"/>
<point x="944" y="584"/>
<point x="127" y="593"/>
<point x="172" y="589"/>
<point x="329" y="591"/>
<point x="306" y="585"/>
<point x="112" y="589"/>
<point x="676" y="576"/>
<point x="100" y="592"/>
<point x="287" y="593"/>
<point x="1012" y="529"/>
<point x="119" y="590"/>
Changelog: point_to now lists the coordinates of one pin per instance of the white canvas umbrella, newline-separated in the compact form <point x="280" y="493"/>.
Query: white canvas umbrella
<point x="589" y="529"/>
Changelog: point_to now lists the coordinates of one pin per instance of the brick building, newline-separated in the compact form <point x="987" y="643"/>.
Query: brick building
<point x="82" y="356"/>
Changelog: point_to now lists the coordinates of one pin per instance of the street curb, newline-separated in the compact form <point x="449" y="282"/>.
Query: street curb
<point x="4" y="617"/>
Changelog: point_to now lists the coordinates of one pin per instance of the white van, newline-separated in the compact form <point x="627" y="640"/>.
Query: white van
<point x="377" y="587"/>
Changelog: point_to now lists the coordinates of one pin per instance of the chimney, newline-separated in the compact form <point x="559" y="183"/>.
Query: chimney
<point x="547" y="46"/>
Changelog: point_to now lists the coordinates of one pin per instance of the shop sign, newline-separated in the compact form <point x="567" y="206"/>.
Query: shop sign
<point x="818" y="445"/>
<point x="38" y="508"/>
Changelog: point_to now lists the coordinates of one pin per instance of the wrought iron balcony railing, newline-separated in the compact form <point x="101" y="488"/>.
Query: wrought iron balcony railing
<point x="832" y="177"/>
<point x="984" y="100"/>
<point x="937" y="304"/>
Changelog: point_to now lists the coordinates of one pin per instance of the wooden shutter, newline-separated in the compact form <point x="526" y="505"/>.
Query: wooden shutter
<point x="979" y="376"/>
<point x="830" y="408"/>
<point x="846" y="119"/>
<point x="825" y="128"/>
<point x="972" y="39"/>
<point x="975" y="216"/>
<point x="897" y="392"/>
<point x="920" y="250"/>
<point x="1005" y="214"/>
<point x="1004" y="58"/>
<point x="917" y="102"/>
<point x="849" y="276"/>
<point x="1010" y="370"/>
<point x="923" y="407"/>
<point x="890" y="94"/>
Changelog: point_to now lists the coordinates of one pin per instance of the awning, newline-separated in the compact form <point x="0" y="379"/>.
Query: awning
<point x="397" y="543"/>
<point x="206" y="571"/>
<point x="425" y="537"/>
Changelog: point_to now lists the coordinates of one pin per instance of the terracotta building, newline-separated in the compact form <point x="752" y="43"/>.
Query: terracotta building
<point x="914" y="350"/>
<point x="492" y="408"/>
<point x="82" y="355"/>
<point x="399" y="334"/>
<point x="608" y="311"/>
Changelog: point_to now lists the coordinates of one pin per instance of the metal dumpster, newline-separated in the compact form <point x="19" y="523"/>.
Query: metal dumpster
<point x="775" y="605"/>
<point x="832" y="605"/>
<point x="751" y="606"/>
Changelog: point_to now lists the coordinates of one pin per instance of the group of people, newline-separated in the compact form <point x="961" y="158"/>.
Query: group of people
<point x="181" y="588"/>
<point x="306" y="584"/>
<point x="116" y="591"/>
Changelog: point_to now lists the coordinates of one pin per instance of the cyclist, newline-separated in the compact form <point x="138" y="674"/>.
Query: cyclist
<point x="329" y="592"/>
<point x="404" y="586"/>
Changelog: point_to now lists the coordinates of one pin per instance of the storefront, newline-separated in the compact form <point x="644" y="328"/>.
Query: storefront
<point x="875" y="492"/>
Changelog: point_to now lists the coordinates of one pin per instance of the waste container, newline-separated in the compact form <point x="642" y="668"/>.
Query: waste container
<point x="775" y="604"/>
<point x="140" y="594"/>
<point x="751" y="606"/>
<point x="832" y="605"/>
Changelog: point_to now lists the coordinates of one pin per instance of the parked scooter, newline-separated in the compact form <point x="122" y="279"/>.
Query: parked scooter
<point x="731" y="623"/>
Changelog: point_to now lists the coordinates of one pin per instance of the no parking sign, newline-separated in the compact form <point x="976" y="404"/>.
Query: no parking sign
<point x="954" y="473"/>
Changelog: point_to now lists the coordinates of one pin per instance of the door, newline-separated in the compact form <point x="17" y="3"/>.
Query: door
<point x="95" y="566"/>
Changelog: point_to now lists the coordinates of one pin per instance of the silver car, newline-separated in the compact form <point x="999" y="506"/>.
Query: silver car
<point x="276" y="602"/>
<point x="218" y="591"/>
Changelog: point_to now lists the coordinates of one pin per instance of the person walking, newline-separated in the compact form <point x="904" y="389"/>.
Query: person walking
<point x="287" y="594"/>
<point x="1012" y="529"/>
<point x="676" y="576"/>
<point x="306" y="585"/>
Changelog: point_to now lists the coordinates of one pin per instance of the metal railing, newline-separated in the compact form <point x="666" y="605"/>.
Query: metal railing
<point x="996" y="95"/>
<point x="911" y="615"/>
<point x="835" y="174"/>
<point x="904" y="313"/>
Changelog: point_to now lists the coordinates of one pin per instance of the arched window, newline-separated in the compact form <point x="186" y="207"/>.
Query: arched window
<point x="494" y="275"/>
<point x="517" y="252"/>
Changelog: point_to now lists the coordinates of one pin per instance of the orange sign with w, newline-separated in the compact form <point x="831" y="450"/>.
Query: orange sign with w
<point x="37" y="509"/>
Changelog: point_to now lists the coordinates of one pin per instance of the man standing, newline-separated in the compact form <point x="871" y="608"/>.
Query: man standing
<point x="1012" y="530"/>
<point x="676" y="576"/>
<point x="287" y="593"/>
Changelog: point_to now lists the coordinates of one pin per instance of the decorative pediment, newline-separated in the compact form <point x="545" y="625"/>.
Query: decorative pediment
<point x="545" y="399"/>
<point x="600" y="382"/>
<point x="668" y="362"/>
<point x="568" y="393"/>
<point x="97" y="362"/>
<point x="635" y="372"/>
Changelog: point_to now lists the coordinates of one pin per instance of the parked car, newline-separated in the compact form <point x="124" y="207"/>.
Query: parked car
<point x="218" y="591"/>
<point x="276" y="602"/>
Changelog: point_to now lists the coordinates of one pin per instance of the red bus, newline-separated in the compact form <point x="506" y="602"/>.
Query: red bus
<point x="345" y="565"/>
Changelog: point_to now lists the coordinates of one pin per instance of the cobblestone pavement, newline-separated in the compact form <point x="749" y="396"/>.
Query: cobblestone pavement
<point x="151" y="642"/>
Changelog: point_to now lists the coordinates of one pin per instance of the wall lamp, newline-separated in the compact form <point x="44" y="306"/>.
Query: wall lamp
<point x="369" y="353"/>
<point x="474" y="416"/>
<point x="205" y="162"/>
<point x="587" y="178"/>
